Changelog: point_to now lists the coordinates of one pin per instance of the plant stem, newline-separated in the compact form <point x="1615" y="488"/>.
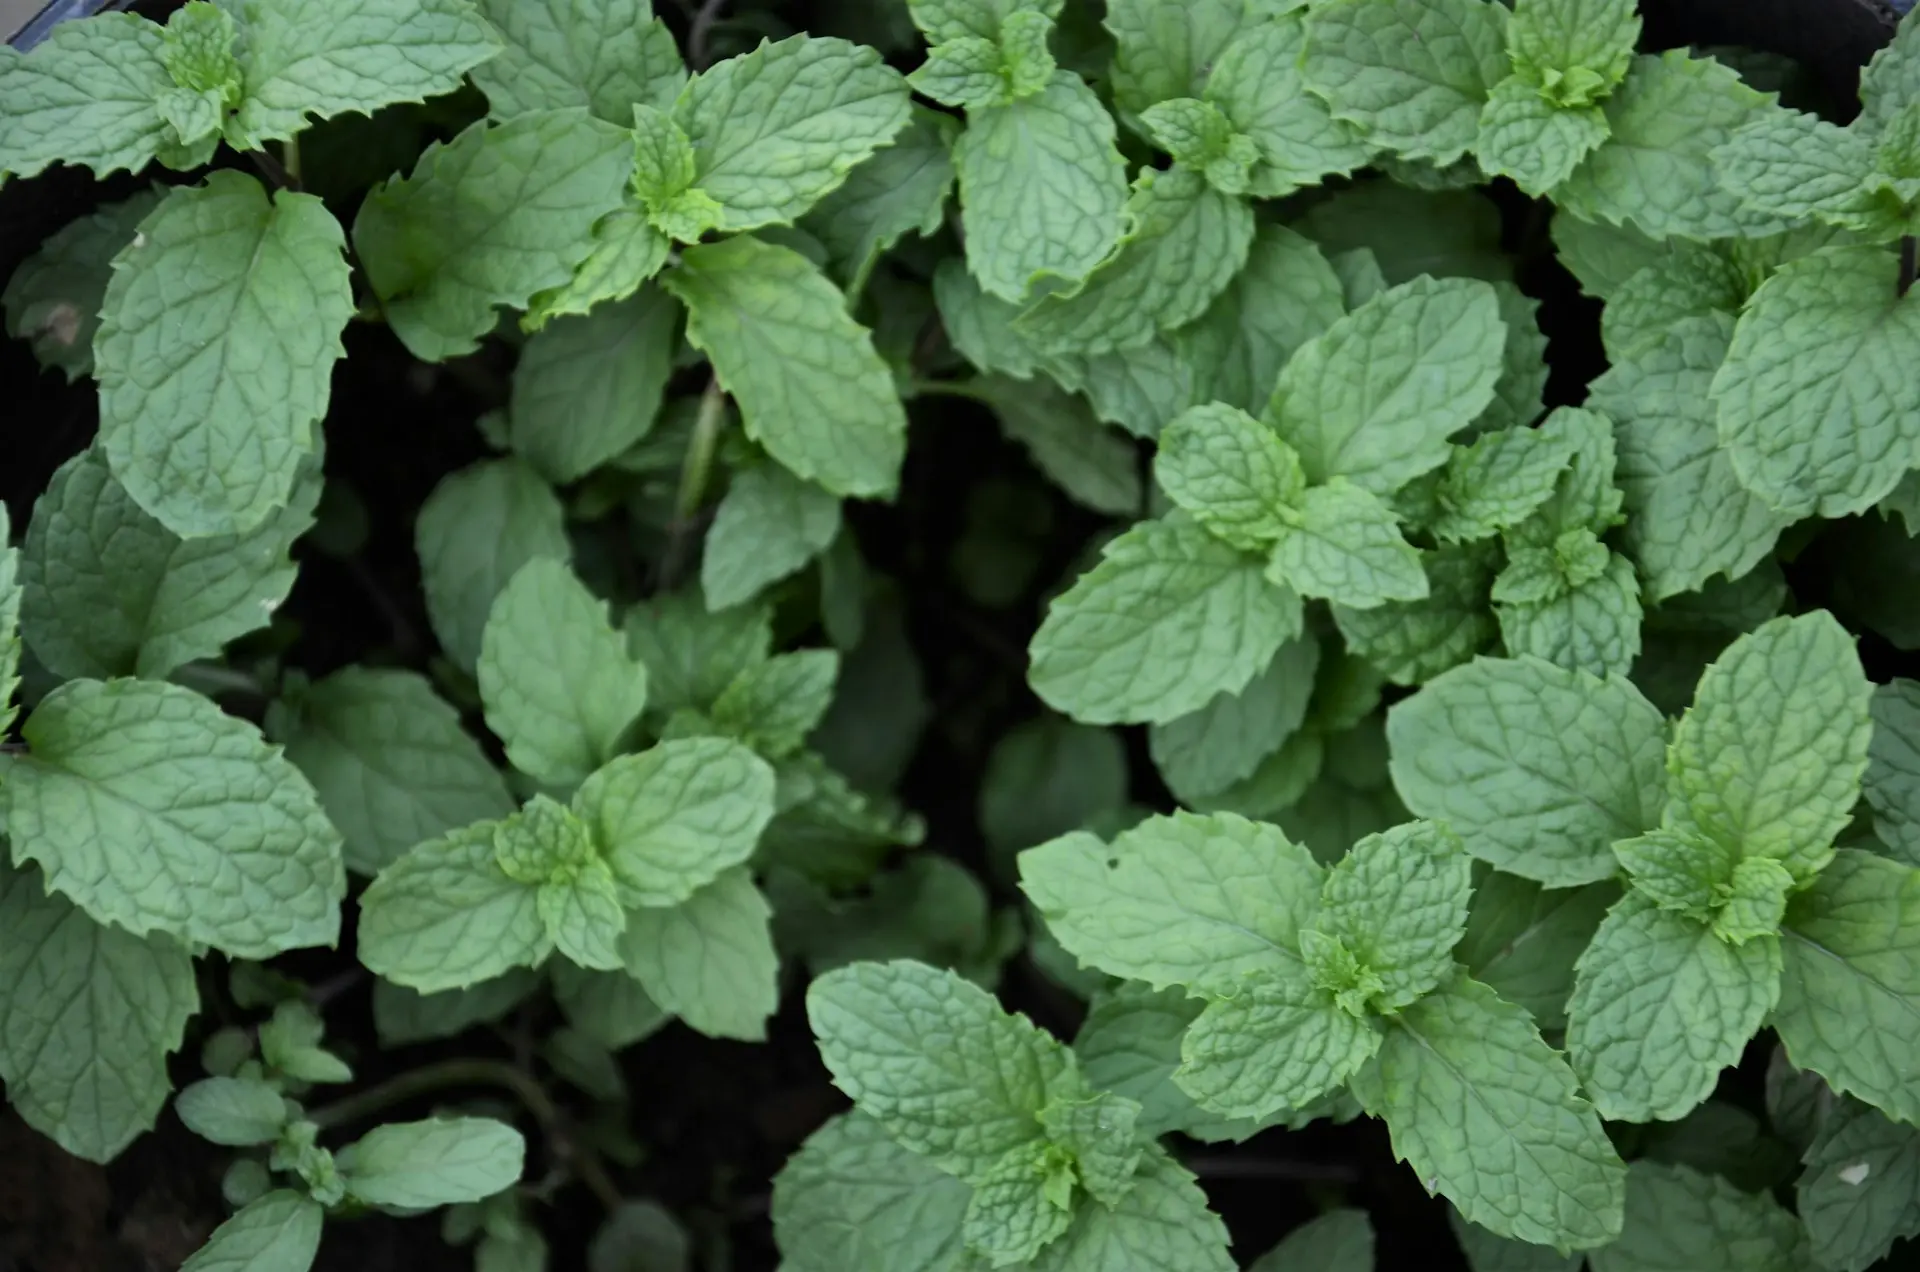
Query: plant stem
<point x="290" y="158"/>
<point x="700" y="30"/>
<point x="274" y="171"/>
<point x="1908" y="263"/>
<point x="212" y="678"/>
<point x="694" y="472"/>
<point x="948" y="388"/>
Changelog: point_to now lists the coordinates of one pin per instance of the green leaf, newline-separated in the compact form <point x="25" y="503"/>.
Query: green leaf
<point x="1345" y="545"/>
<point x="1130" y="1044"/>
<point x="1199" y="136"/>
<point x="1813" y="410"/>
<point x="1680" y="1220"/>
<point x="1166" y="50"/>
<point x="769" y="525"/>
<point x="709" y="960"/>
<point x="853" y="1200"/>
<point x="1688" y="516"/>
<point x="1258" y="83"/>
<point x="446" y="915"/>
<point x="1099" y="1131"/>
<point x="1592" y="626"/>
<point x="1518" y="396"/>
<point x="1012" y="1215"/>
<point x="1535" y="141"/>
<point x="1042" y="188"/>
<point x="1892" y="783"/>
<point x="779" y="128"/>
<point x="232" y="1111"/>
<point x="588" y="388"/>
<point x="1552" y="40"/>
<point x="1375" y="398"/>
<point x="1413" y="641"/>
<point x="1097" y="467"/>
<point x="691" y="654"/>
<point x="1164" y="1226"/>
<point x="934" y="1059"/>
<point x="1850" y="995"/>
<point x="968" y="71"/>
<point x="1603" y="256"/>
<point x="1208" y="751"/>
<point x="1398" y="903"/>
<point x="279" y="1232"/>
<point x="1661" y="1006"/>
<point x="1232" y="473"/>
<point x="109" y="591"/>
<point x="548" y="848"/>
<point x="1286" y="295"/>
<point x="1412" y="75"/>
<point x="1337" y="1241"/>
<point x="390" y="761"/>
<point x="900" y="190"/>
<point x="1522" y="940"/>
<point x="625" y="253"/>
<point x="491" y="218"/>
<point x="774" y="707"/>
<point x="87" y="95"/>
<point x="208" y="397"/>
<point x="1539" y="769"/>
<point x="1202" y="902"/>
<point x="1770" y="755"/>
<point x="88" y="1014"/>
<point x="1679" y="870"/>
<point x="1653" y="171"/>
<point x="53" y="299"/>
<point x="1486" y="1113"/>
<point x="402" y="1015"/>
<point x="559" y="686"/>
<point x="608" y="1008"/>
<point x="1169" y="618"/>
<point x="1184" y="242"/>
<point x="676" y="817"/>
<point x="1795" y="167"/>
<point x="1046" y="777"/>
<point x="1272" y="1044"/>
<point x="475" y="531"/>
<point x="437" y="1162"/>
<point x="303" y="63"/>
<point x="153" y="810"/>
<point x="1860" y="1192"/>
<point x="809" y="385"/>
<point x="1498" y="481"/>
<point x="1489" y="1253"/>
<point x="605" y="55"/>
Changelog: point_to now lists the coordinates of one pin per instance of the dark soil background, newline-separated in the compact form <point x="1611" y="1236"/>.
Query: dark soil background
<point x="717" y="1119"/>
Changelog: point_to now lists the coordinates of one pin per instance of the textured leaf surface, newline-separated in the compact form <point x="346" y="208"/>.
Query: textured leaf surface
<point x="1163" y="51"/>
<point x="217" y="340"/>
<point x="774" y="707"/>
<point x="1274" y="1044"/>
<point x="1098" y="467"/>
<point x="474" y="532"/>
<point x="1534" y="141"/>
<point x="88" y="1015"/>
<point x="1231" y="473"/>
<point x="1414" y="641"/>
<point x="446" y="915"/>
<point x="1593" y="627"/>
<point x="53" y="299"/>
<point x="1661" y="1006"/>
<point x="1522" y="940"/>
<point x="1208" y="751"/>
<point x="1680" y="1220"/>
<point x="153" y="810"/>
<point x="1286" y="295"/>
<point x="1539" y="769"/>
<point x="1257" y="83"/>
<point x="391" y="762"/>
<point x="1169" y="618"/>
<point x="710" y="960"/>
<point x="1398" y="902"/>
<point x="898" y="191"/>
<point x="853" y="1200"/>
<point x="1186" y="900"/>
<point x="587" y="388"/>
<point x="768" y="526"/>
<point x="1164" y="1226"/>
<point x="809" y="385"/>
<point x="437" y="1162"/>
<point x="490" y="218"/>
<point x="87" y="96"/>
<point x="279" y="1230"/>
<point x="1487" y="1113"/>
<point x="602" y="54"/>
<point x="1041" y="188"/>
<point x="1347" y="548"/>
<point x="1892" y="783"/>
<point x="1860" y="1192"/>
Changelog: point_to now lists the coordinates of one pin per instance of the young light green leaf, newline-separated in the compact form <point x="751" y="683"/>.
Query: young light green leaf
<point x="674" y="818"/>
<point x="1169" y="618"/>
<point x="1337" y="1241"/>
<point x="559" y="685"/>
<point x="279" y="1232"/>
<point x="1592" y="625"/>
<point x="437" y="1162"/>
<point x="1202" y="902"/>
<point x="1164" y="1226"/>
<point x="1199" y="136"/>
<point x="1860" y="1192"/>
<point x="1207" y="752"/>
<point x="968" y="71"/>
<point x="548" y="848"/>
<point x="898" y="191"/>
<point x="1099" y="1131"/>
<point x="1688" y="516"/>
<point x="809" y="385"/>
<point x="1850" y="995"/>
<point x="87" y="95"/>
<point x="390" y="761"/>
<point x="1412" y="75"/>
<point x="474" y="533"/>
<point x="1232" y="473"/>
<point x="109" y="591"/>
<point x="625" y="253"/>
<point x="1813" y="410"/>
<point x="769" y="525"/>
<point x="1522" y="940"/>
<point x="1770" y="755"/>
<point x="1012" y="1216"/>
<point x="446" y="915"/>
<point x="232" y="1111"/>
<point x="1660" y="1007"/>
<point x="709" y="960"/>
<point x="360" y="55"/>
<point x="153" y="810"/>
<point x="1488" y="1115"/>
<point x="853" y="1200"/>
<point x="1680" y="870"/>
<point x="1257" y="83"/>
<point x="53" y="299"/>
<point x="1183" y="244"/>
<point x="774" y="706"/>
<point x="602" y="54"/>
<point x="937" y="1061"/>
<point x="1538" y="768"/>
<point x="1678" y="1218"/>
<point x="1574" y="50"/>
<point x="1042" y="188"/>
<point x="207" y="403"/>
<point x="1344" y="544"/>
<point x="1375" y="398"/>
<point x="1892" y="782"/>
<point x="1272" y="1044"/>
<point x="441" y="253"/>
<point x="1498" y="481"/>
<point x="88" y="1015"/>
<point x="1535" y="141"/>
<point x="1414" y="641"/>
<point x="588" y="388"/>
<point x="1286" y="295"/>
<point x="1398" y="903"/>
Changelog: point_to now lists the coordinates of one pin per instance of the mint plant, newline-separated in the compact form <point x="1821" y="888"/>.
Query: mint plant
<point x="1133" y="587"/>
